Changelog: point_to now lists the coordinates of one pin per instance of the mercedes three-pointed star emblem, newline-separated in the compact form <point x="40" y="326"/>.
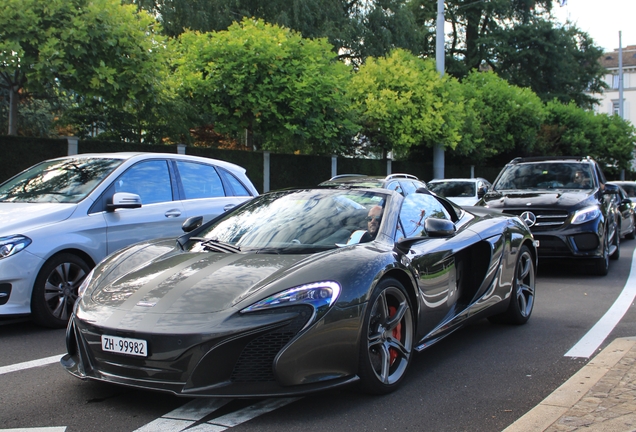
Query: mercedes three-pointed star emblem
<point x="528" y="218"/>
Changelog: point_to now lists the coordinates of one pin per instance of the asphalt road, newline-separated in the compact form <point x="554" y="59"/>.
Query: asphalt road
<point x="481" y="378"/>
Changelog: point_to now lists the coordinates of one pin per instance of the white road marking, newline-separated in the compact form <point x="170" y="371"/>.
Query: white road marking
<point x="30" y="364"/>
<point x="38" y="429"/>
<point x="184" y="416"/>
<point x="597" y="334"/>
<point x="241" y="416"/>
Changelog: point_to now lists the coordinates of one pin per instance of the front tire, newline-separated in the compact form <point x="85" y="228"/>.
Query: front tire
<point x="55" y="290"/>
<point x="617" y="242"/>
<point x="601" y="265"/>
<point x="523" y="291"/>
<point x="386" y="346"/>
<point x="632" y="234"/>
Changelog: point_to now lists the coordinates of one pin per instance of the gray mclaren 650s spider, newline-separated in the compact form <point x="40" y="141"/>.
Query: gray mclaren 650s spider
<point x="299" y="290"/>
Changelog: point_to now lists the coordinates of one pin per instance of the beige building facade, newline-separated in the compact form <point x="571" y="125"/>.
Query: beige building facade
<point x="609" y="100"/>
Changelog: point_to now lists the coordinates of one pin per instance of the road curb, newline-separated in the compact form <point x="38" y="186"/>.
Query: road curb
<point x="557" y="404"/>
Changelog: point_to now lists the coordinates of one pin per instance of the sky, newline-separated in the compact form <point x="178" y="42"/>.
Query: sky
<point x="602" y="20"/>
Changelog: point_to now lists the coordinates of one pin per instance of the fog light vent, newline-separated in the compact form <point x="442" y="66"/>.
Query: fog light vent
<point x="5" y="292"/>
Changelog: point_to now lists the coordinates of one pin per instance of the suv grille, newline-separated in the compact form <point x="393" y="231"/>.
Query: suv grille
<point x="546" y="219"/>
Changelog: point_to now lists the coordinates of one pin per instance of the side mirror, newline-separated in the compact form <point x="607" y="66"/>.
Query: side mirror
<point x="610" y="189"/>
<point x="124" y="200"/>
<point x="192" y="223"/>
<point x="481" y="192"/>
<point x="435" y="227"/>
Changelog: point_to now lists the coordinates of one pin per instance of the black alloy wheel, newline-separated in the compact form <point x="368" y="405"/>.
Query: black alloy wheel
<point x="523" y="291"/>
<point x="617" y="242"/>
<point x="601" y="265"/>
<point x="386" y="347"/>
<point x="55" y="290"/>
<point x="632" y="234"/>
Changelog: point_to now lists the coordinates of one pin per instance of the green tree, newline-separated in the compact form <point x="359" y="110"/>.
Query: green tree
<point x="401" y="101"/>
<point x="572" y="131"/>
<point x="355" y="28"/>
<point x="286" y="91"/>
<point x="555" y="61"/>
<point x="501" y="119"/>
<point x="97" y="48"/>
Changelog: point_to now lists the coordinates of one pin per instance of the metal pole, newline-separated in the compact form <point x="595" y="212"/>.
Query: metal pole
<point x="438" y="149"/>
<point x="620" y="75"/>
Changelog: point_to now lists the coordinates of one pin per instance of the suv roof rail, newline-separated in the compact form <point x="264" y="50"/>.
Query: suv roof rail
<point x="346" y="175"/>
<point x="547" y="158"/>
<point x="400" y="175"/>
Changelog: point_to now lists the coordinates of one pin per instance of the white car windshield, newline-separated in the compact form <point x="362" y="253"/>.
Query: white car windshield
<point x="454" y="188"/>
<point x="58" y="181"/>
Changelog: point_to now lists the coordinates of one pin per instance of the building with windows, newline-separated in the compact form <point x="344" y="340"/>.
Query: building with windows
<point x="609" y="99"/>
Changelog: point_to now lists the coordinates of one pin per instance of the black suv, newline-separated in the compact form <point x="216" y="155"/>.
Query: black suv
<point x="567" y="204"/>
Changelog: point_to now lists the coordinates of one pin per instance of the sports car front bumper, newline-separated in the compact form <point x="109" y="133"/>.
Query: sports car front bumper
<point x="268" y="354"/>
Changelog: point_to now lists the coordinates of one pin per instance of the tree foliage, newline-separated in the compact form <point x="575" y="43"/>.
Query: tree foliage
<point x="555" y="61"/>
<point x="98" y="48"/>
<point x="571" y="131"/>
<point x="286" y="91"/>
<point x="502" y="118"/>
<point x="401" y="101"/>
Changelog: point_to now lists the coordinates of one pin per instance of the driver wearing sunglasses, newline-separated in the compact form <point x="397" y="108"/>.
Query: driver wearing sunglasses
<point x="373" y="223"/>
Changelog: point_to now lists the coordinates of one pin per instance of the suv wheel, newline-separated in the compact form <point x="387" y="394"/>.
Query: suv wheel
<point x="601" y="265"/>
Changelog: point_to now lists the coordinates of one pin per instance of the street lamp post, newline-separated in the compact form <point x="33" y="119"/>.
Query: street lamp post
<point x="438" y="149"/>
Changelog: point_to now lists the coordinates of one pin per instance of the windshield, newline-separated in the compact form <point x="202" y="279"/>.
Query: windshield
<point x="546" y="175"/>
<point x="58" y="181"/>
<point x="302" y="221"/>
<point x="454" y="188"/>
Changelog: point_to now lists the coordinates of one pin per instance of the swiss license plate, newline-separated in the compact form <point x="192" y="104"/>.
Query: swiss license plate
<point x="136" y="347"/>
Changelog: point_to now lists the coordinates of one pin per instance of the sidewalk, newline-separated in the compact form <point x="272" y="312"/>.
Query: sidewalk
<point x="601" y="397"/>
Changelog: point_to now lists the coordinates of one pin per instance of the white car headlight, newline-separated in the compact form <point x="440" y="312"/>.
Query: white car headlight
<point x="320" y="295"/>
<point x="11" y="245"/>
<point x="585" y="215"/>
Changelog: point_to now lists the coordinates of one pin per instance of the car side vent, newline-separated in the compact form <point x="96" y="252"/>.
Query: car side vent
<point x="257" y="359"/>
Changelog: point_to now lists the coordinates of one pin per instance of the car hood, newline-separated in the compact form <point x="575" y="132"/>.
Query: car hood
<point x="19" y="218"/>
<point x="178" y="282"/>
<point x="560" y="198"/>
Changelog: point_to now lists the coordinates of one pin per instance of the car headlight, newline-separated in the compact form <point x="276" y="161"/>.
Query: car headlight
<point x="320" y="295"/>
<point x="82" y="288"/>
<point x="11" y="245"/>
<point x="585" y="215"/>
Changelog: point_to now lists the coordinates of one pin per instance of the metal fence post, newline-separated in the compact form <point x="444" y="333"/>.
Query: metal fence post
<point x="73" y="146"/>
<point x="265" y="171"/>
<point x="334" y="166"/>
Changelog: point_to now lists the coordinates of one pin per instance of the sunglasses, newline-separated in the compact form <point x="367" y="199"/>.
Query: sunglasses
<point x="377" y="218"/>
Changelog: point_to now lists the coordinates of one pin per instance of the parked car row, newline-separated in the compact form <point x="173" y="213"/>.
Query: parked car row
<point x="150" y="259"/>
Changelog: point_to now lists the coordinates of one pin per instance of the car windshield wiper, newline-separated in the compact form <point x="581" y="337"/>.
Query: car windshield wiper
<point x="217" y="245"/>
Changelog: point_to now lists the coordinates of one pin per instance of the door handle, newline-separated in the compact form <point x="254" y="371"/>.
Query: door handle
<point x="173" y="213"/>
<point x="228" y="206"/>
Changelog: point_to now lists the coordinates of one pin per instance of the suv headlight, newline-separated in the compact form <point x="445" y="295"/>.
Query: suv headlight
<point x="11" y="245"/>
<point x="585" y="215"/>
<point x="319" y="295"/>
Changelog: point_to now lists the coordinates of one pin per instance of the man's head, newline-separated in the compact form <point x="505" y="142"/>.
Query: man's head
<point x="373" y="220"/>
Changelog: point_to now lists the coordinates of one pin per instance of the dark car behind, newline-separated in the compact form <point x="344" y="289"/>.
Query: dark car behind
<point x="568" y="204"/>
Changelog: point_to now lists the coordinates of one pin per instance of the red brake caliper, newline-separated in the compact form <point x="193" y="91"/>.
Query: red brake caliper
<point x="397" y="334"/>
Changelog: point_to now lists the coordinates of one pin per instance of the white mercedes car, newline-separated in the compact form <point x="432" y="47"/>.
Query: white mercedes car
<point x="461" y="191"/>
<point x="59" y="218"/>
